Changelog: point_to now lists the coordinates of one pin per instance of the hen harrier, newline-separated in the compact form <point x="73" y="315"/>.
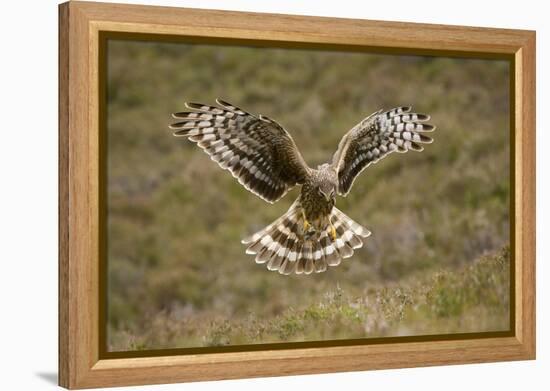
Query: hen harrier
<point x="263" y="157"/>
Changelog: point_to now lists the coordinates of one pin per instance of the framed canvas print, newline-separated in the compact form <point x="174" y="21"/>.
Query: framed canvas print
<point x="251" y="195"/>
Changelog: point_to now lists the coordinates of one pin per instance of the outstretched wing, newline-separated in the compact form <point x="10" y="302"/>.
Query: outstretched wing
<point x="255" y="149"/>
<point x="375" y="137"/>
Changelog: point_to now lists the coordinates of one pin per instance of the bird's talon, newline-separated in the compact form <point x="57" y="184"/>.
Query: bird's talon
<point x="332" y="232"/>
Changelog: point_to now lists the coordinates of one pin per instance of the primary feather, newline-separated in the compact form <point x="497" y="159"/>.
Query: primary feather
<point x="256" y="150"/>
<point x="378" y="135"/>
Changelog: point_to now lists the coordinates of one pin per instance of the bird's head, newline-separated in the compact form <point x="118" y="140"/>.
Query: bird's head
<point x="326" y="182"/>
<point x="327" y="189"/>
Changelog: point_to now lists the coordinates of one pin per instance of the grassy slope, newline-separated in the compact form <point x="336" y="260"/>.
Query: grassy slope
<point x="176" y="219"/>
<point x="472" y="298"/>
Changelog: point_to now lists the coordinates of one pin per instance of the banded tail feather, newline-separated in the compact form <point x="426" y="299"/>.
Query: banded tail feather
<point x="283" y="246"/>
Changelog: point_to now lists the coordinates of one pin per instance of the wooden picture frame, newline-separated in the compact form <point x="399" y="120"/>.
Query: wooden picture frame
<point x="82" y="363"/>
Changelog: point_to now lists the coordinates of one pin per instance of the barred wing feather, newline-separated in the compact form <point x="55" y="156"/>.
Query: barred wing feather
<point x="258" y="151"/>
<point x="374" y="138"/>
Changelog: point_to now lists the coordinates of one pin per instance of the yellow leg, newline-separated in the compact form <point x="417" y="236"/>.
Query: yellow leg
<point x="332" y="230"/>
<point x="307" y="225"/>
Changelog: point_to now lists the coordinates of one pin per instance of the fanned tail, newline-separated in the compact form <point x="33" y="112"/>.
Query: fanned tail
<point x="284" y="246"/>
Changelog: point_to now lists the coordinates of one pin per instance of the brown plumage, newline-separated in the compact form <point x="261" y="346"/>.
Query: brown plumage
<point x="313" y="234"/>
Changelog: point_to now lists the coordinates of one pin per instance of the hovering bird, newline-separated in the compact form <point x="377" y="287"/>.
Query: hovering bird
<point x="313" y="234"/>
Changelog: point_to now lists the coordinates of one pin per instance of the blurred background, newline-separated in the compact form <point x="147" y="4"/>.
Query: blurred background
<point x="436" y="263"/>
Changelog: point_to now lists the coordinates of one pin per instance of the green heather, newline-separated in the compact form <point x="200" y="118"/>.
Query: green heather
<point x="437" y="261"/>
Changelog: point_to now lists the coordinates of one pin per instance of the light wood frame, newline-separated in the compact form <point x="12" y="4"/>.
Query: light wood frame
<point x="80" y="23"/>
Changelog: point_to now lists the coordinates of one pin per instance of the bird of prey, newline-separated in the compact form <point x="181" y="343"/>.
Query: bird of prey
<point x="313" y="234"/>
